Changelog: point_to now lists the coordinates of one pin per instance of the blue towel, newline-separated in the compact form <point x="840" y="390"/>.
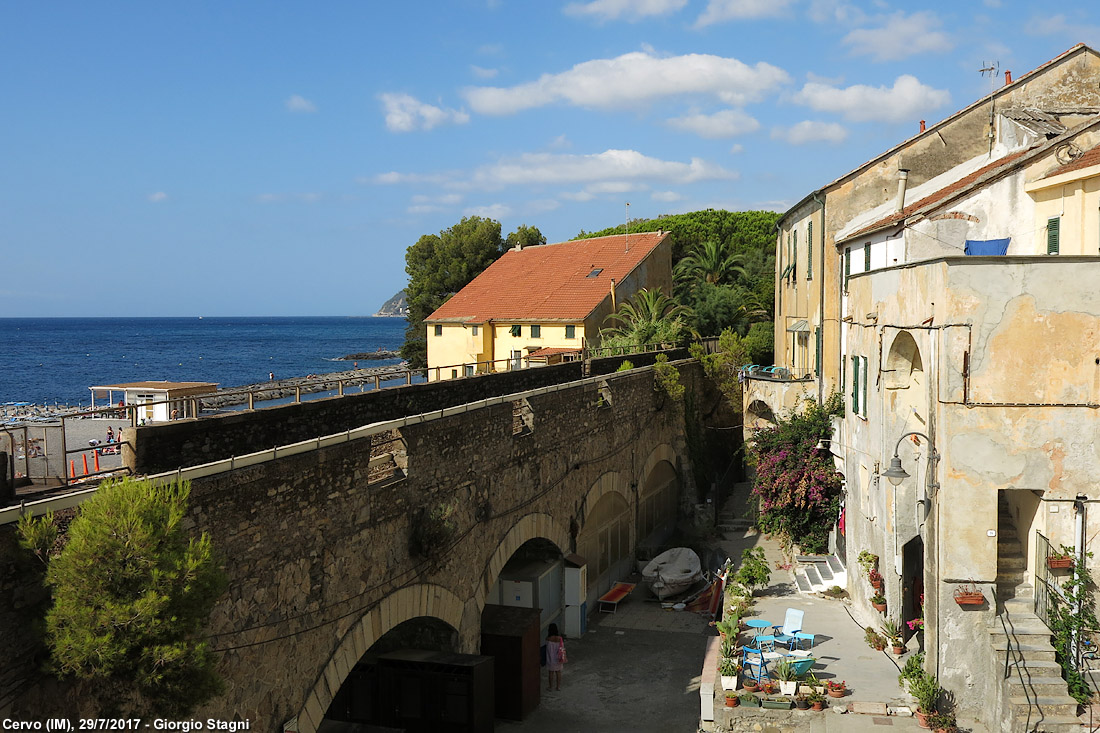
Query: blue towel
<point x="978" y="247"/>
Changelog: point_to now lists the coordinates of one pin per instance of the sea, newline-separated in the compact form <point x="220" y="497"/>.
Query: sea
<point x="49" y="361"/>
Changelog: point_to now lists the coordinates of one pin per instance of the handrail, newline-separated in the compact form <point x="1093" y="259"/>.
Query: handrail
<point x="1017" y="657"/>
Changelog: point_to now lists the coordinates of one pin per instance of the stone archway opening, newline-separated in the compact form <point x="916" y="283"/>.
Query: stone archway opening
<point x="759" y="415"/>
<point x="524" y="600"/>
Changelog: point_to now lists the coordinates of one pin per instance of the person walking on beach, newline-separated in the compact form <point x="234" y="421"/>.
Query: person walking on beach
<point x="271" y="376"/>
<point x="555" y="657"/>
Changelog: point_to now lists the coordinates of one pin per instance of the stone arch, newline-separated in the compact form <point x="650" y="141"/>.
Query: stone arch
<point x="422" y="599"/>
<point x="529" y="527"/>
<point x="658" y="491"/>
<point x="607" y="527"/>
<point x="759" y="415"/>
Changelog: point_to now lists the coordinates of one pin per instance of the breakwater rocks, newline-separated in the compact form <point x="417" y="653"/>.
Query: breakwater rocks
<point x="371" y="355"/>
<point x="283" y="388"/>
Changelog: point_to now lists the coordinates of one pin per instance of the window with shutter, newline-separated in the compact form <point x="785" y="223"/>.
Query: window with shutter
<point x="855" y="385"/>
<point x="863" y="402"/>
<point x="847" y="266"/>
<point x="867" y="257"/>
<point x="817" y="353"/>
<point x="810" y="251"/>
<point x="1053" y="225"/>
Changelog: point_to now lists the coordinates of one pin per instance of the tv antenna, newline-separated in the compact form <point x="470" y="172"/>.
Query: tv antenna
<point x="991" y="68"/>
<point x="627" y="226"/>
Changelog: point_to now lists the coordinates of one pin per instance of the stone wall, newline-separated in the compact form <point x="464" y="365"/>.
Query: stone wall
<point x="167" y="446"/>
<point x="318" y="555"/>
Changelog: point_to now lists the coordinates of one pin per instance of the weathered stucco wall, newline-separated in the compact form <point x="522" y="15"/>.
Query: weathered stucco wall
<point x="318" y="555"/>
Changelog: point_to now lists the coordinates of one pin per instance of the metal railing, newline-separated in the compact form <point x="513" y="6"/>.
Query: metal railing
<point x="1014" y="656"/>
<point x="1047" y="592"/>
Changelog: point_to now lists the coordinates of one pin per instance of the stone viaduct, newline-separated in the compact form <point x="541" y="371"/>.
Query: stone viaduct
<point x="324" y="538"/>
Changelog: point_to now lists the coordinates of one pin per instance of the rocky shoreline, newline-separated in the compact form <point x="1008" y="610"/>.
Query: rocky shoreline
<point x="371" y="356"/>
<point x="283" y="388"/>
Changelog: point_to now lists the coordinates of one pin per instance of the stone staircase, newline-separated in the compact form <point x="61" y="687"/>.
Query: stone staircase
<point x="1035" y="695"/>
<point x="818" y="573"/>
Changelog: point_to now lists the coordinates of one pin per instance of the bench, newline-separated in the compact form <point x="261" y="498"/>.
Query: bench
<point x="611" y="598"/>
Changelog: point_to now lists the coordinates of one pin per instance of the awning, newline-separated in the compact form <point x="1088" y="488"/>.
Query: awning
<point x="799" y="327"/>
<point x="979" y="247"/>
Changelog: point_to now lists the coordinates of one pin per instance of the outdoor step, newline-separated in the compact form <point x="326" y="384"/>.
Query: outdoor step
<point x="813" y="576"/>
<point x="1029" y="651"/>
<point x="835" y="565"/>
<point x="1006" y="591"/>
<point x="1009" y="576"/>
<point x="1054" y="705"/>
<point x="803" y="584"/>
<point x="1021" y="626"/>
<point x="825" y="573"/>
<point x="1046" y="723"/>
<point x="1008" y="533"/>
<point x="1011" y="562"/>
<point x="1036" y="686"/>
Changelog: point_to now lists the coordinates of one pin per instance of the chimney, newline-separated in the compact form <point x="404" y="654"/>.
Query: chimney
<point x="922" y="127"/>
<point x="1008" y="78"/>
<point x="518" y="247"/>
<point x="903" y="177"/>
<point x="613" y="306"/>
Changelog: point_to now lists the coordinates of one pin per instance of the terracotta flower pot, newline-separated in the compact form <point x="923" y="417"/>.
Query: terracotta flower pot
<point x="750" y="685"/>
<point x="877" y="585"/>
<point x="1055" y="562"/>
<point x="732" y="702"/>
<point x="880" y="607"/>
<point x="899" y="650"/>
<point x="837" y="693"/>
<point x="969" y="599"/>
<point x="922" y="719"/>
<point x="818" y="706"/>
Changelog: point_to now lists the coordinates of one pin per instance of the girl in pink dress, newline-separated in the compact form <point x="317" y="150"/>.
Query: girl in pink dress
<point x="555" y="657"/>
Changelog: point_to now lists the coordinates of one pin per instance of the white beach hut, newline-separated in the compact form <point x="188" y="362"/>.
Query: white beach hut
<point x="153" y="401"/>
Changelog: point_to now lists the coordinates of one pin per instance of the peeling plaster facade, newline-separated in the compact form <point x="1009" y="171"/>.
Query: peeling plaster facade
<point x="995" y="358"/>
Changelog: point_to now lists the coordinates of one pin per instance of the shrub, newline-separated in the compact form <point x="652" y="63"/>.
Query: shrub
<point x="926" y="688"/>
<point x="132" y="592"/>
<point x="798" y="486"/>
<point x="754" y="571"/>
<point x="626" y="366"/>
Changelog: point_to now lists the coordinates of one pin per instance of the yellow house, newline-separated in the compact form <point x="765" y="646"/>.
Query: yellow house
<point x="543" y="304"/>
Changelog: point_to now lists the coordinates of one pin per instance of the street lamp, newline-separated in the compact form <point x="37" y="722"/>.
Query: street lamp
<point x="896" y="474"/>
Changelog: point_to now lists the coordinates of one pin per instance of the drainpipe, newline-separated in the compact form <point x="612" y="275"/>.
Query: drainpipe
<point x="614" y="308"/>
<point x="1079" y="553"/>
<point x="903" y="177"/>
<point x="821" y="306"/>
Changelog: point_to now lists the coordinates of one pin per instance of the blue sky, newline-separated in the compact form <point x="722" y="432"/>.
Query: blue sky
<point x="277" y="158"/>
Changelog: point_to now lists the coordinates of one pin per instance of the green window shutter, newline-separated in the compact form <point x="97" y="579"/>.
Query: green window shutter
<point x="794" y="254"/>
<point x="810" y="251"/>
<point x="864" y="401"/>
<point x="843" y="371"/>
<point x="855" y="385"/>
<point x="847" y="266"/>
<point x="867" y="257"/>
<point x="817" y="355"/>
<point x="1053" y="225"/>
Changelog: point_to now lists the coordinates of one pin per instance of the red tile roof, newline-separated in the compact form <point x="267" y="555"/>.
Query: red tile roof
<point x="940" y="195"/>
<point x="550" y="281"/>
<point x="1090" y="158"/>
<point x="551" y="351"/>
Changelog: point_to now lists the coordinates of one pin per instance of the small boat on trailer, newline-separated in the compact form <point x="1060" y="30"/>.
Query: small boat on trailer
<point x="672" y="572"/>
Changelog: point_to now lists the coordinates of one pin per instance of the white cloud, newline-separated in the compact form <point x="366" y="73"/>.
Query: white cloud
<point x="394" y="177"/>
<point x="492" y="211"/>
<point x="610" y="166"/>
<point x="633" y="79"/>
<point x="727" y="123"/>
<point x="908" y="99"/>
<point x="405" y="113"/>
<point x="581" y="196"/>
<point x="634" y="10"/>
<point x="422" y="204"/>
<point x="561" y="142"/>
<point x="809" y="131"/>
<point x="491" y="49"/>
<point x="1059" y="25"/>
<point x="835" y="11"/>
<point x="721" y="11"/>
<point x="737" y="148"/>
<point x="667" y="196"/>
<point x="992" y="3"/>
<point x="157" y="197"/>
<point x="540" y="206"/>
<point x="900" y="36"/>
<point x="613" y="187"/>
<point x="297" y="103"/>
<point x="483" y="73"/>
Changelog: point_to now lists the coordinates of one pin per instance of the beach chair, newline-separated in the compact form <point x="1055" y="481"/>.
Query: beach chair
<point x="609" y="601"/>
<point x="766" y="644"/>
<point x="792" y="624"/>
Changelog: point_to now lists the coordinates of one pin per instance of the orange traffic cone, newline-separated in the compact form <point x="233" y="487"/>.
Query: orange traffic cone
<point x="85" y="457"/>
<point x="96" y="454"/>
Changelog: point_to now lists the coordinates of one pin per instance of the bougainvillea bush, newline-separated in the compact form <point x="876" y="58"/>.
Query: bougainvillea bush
<point x="796" y="483"/>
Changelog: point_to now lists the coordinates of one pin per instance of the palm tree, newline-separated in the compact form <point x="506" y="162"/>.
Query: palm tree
<point x="649" y="317"/>
<point x="712" y="262"/>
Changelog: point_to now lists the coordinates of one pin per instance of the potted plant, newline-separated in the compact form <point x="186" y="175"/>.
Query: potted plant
<point x="750" y="701"/>
<point x="751" y="685"/>
<point x="926" y="688"/>
<point x="868" y="561"/>
<point x="942" y="722"/>
<point x="816" y="700"/>
<point x="788" y="680"/>
<point x="732" y="699"/>
<point x="879" y="602"/>
<point x="876" y="579"/>
<point x="836" y="689"/>
<point x="769" y="687"/>
<point x="1062" y="560"/>
<point x="729" y="648"/>
<point x="968" y="594"/>
<point x="729" y="669"/>
<point x="801" y="701"/>
<point x="777" y="703"/>
<point x="892" y="630"/>
<point x="814" y="683"/>
<point x="874" y="639"/>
